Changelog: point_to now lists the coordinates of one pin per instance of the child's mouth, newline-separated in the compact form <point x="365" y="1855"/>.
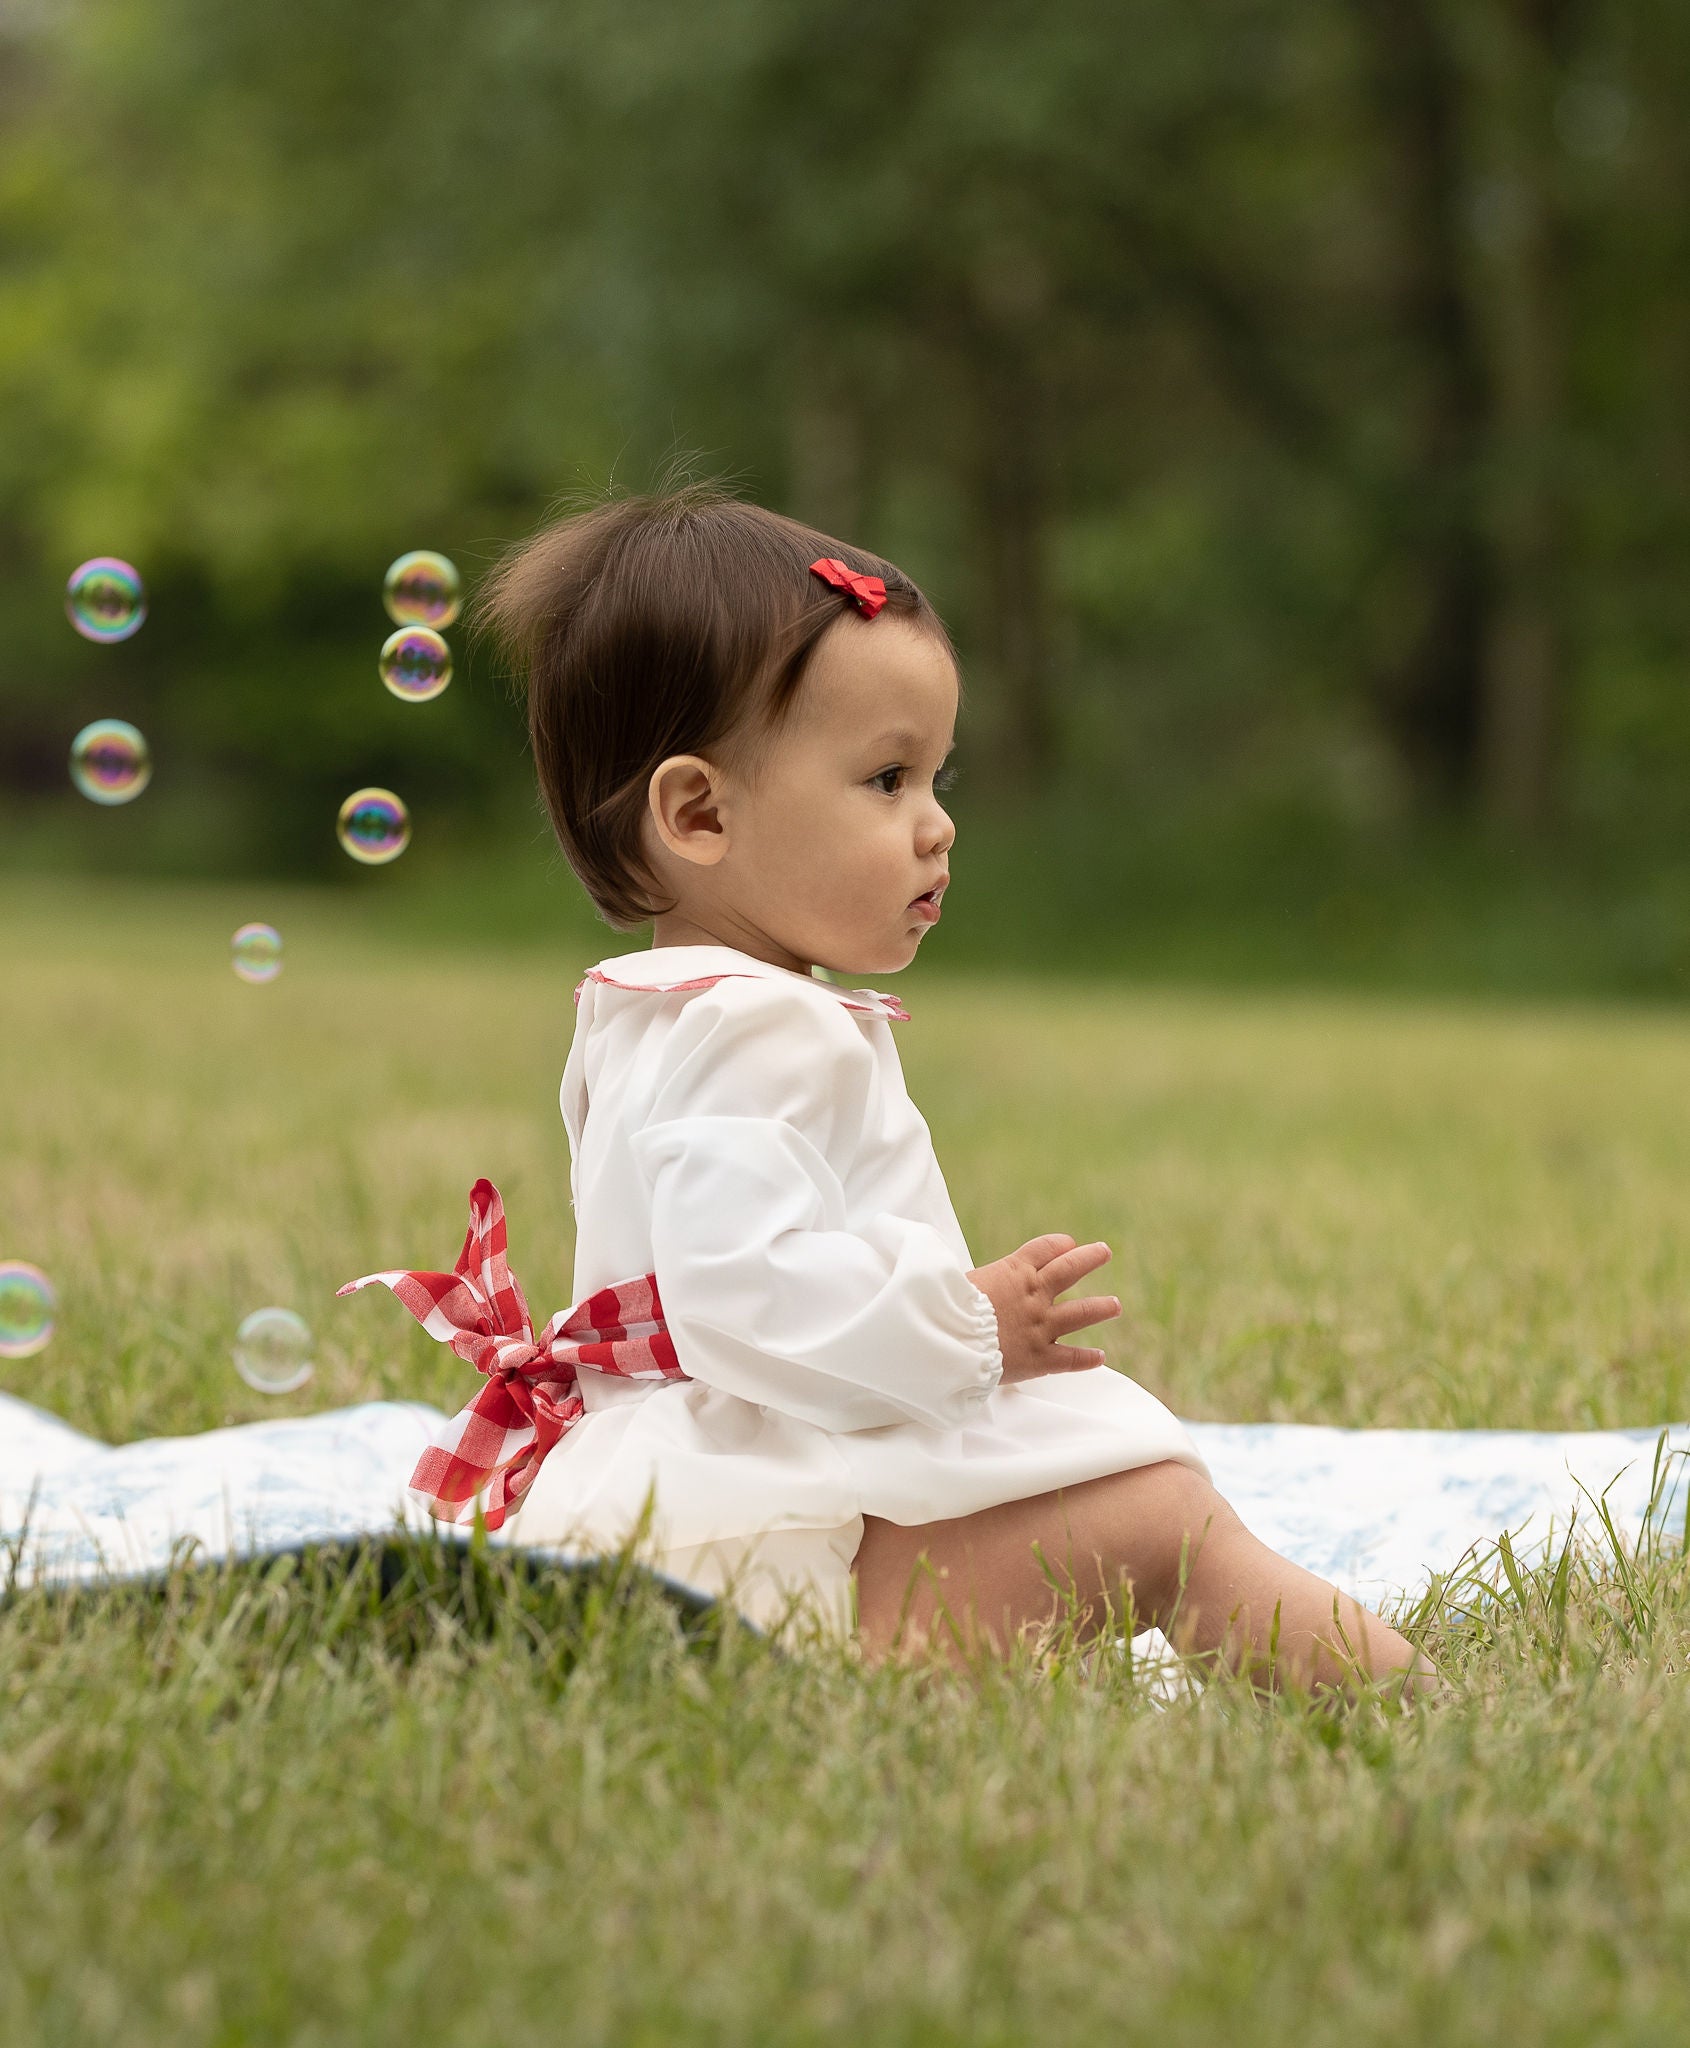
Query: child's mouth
<point x="928" y="906"/>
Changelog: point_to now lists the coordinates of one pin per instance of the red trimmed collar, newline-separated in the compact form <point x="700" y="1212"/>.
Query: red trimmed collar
<point x="664" y="970"/>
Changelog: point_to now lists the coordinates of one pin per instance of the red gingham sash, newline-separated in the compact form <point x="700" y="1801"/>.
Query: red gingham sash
<point x="532" y="1398"/>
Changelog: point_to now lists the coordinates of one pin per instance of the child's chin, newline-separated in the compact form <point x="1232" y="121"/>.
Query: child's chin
<point x="903" y="957"/>
<point x="879" y="961"/>
<point x="886" y="958"/>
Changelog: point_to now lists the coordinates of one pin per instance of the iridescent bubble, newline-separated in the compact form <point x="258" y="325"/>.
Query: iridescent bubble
<point x="109" y="762"/>
<point x="416" y="664"/>
<point x="273" y="1351"/>
<point x="255" y="952"/>
<point x="421" y="589"/>
<point x="106" y="600"/>
<point x="374" y="826"/>
<point x="27" y="1305"/>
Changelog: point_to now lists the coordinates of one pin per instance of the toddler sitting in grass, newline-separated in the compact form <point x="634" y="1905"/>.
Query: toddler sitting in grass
<point x="741" y="728"/>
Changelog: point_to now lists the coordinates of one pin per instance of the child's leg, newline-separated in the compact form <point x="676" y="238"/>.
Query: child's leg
<point x="1132" y="1527"/>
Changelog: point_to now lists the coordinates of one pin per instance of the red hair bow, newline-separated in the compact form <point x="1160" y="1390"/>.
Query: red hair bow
<point x="867" y="593"/>
<point x="532" y="1399"/>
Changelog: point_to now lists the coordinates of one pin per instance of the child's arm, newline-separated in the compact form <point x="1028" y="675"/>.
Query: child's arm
<point x="767" y="1293"/>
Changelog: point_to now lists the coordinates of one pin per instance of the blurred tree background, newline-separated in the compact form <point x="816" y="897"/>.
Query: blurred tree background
<point x="1287" y="406"/>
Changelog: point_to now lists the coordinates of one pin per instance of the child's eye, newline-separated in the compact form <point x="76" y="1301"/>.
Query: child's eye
<point x="878" y="780"/>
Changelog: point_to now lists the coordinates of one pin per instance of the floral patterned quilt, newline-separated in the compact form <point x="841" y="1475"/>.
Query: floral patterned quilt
<point x="1376" y="1511"/>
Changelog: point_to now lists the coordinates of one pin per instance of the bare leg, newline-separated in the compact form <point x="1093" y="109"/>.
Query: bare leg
<point x="1146" y="1530"/>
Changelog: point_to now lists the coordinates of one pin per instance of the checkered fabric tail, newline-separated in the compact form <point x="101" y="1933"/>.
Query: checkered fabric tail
<point x="490" y="1451"/>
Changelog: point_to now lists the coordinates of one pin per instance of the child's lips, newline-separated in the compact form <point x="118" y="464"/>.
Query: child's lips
<point x="927" y="907"/>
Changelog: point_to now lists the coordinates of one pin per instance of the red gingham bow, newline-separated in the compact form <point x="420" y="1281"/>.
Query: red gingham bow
<point x="532" y="1397"/>
<point x="867" y="593"/>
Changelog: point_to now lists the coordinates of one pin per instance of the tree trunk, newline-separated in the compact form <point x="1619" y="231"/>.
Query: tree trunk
<point x="1527" y="659"/>
<point x="826" y="457"/>
<point x="1429" y="686"/>
<point x="1010" y="516"/>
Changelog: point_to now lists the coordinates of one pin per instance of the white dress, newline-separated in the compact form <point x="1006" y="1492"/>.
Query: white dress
<point x="743" y="1131"/>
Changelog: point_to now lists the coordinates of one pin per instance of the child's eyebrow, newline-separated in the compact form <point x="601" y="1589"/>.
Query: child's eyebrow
<point x="906" y="742"/>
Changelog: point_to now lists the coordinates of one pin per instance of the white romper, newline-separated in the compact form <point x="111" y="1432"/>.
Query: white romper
<point x="750" y="1141"/>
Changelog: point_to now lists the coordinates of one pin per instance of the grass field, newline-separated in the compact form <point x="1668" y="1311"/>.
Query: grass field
<point x="271" y="1807"/>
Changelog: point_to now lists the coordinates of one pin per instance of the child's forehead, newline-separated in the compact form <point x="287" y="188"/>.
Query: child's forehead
<point x="881" y="678"/>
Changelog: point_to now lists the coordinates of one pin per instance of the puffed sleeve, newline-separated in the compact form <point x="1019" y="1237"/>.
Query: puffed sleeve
<point x="768" y="1293"/>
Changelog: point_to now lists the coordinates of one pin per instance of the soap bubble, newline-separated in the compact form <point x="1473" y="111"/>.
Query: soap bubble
<point x="256" y="952"/>
<point x="27" y="1304"/>
<point x="273" y="1351"/>
<point x="421" y="589"/>
<point x="416" y="664"/>
<point x="109" y="762"/>
<point x="374" y="826"/>
<point x="106" y="600"/>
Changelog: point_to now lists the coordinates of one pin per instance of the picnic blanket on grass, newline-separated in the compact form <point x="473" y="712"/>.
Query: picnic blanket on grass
<point x="1377" y="1511"/>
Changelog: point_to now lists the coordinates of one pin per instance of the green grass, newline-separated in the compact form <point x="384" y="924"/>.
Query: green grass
<point x="268" y="1806"/>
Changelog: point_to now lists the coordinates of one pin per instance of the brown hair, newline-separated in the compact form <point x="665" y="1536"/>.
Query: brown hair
<point x="679" y="623"/>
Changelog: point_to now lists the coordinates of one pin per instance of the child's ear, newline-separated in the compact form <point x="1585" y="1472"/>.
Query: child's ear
<point x="684" y="797"/>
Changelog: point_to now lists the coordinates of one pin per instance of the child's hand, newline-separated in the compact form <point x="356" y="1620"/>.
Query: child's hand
<point x="1023" y="1289"/>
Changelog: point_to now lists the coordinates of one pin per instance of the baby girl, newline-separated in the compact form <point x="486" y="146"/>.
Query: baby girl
<point x="784" y="1353"/>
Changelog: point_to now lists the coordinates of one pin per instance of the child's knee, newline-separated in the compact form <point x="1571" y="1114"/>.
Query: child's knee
<point x="1176" y="1515"/>
<point x="1184" y="1496"/>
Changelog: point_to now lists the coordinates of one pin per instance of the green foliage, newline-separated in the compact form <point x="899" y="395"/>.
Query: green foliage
<point x="1118" y="325"/>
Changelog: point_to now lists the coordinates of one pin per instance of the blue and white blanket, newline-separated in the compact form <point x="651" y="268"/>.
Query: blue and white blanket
<point x="1377" y="1511"/>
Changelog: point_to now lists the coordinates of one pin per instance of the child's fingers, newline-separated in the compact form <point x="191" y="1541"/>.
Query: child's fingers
<point x="1069" y="1316"/>
<point x="1066" y="1267"/>
<point x="1076" y="1358"/>
<point x="1041" y="1250"/>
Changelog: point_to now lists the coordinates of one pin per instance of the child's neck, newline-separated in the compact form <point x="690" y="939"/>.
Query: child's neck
<point x="676" y="928"/>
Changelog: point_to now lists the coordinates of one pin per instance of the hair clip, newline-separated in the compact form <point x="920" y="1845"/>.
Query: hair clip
<point x="867" y="593"/>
